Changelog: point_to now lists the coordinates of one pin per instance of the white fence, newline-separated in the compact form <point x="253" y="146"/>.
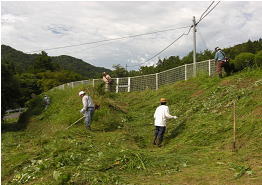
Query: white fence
<point x="152" y="81"/>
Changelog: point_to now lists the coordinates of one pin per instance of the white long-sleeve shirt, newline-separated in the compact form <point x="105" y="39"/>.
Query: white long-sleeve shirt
<point x="87" y="102"/>
<point x="161" y="115"/>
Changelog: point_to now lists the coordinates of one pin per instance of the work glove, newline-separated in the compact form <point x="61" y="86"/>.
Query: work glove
<point x="174" y="117"/>
<point x="82" y="111"/>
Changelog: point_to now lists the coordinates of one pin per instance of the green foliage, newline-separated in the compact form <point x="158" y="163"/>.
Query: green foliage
<point x="10" y="91"/>
<point x="43" y="63"/>
<point x="48" y="79"/>
<point x="119" y="71"/>
<point x="241" y="170"/>
<point x="23" y="63"/>
<point x="244" y="60"/>
<point x="258" y="59"/>
<point x="249" y="46"/>
<point x="28" y="86"/>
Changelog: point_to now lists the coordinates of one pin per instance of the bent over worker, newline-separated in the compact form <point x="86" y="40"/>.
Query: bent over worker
<point x="88" y="108"/>
<point x="108" y="81"/>
<point x="161" y="115"/>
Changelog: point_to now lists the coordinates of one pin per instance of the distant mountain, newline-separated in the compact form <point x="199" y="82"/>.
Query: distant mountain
<point x="23" y="61"/>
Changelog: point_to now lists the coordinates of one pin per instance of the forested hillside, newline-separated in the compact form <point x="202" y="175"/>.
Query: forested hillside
<point x="22" y="62"/>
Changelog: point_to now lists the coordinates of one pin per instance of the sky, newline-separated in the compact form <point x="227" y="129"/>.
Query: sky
<point x="32" y="26"/>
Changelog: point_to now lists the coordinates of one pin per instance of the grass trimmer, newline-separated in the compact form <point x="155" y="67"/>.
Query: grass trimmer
<point x="75" y="122"/>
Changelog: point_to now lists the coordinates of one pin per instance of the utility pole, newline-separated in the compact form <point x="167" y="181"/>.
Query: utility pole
<point x="194" y="45"/>
<point x="126" y="67"/>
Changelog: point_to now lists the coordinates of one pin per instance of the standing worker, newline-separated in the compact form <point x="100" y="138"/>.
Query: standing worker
<point x="88" y="108"/>
<point x="108" y="81"/>
<point x="46" y="101"/>
<point x="161" y="115"/>
<point x="220" y="60"/>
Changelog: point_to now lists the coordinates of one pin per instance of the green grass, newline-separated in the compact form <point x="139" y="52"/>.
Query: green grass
<point x="197" y="146"/>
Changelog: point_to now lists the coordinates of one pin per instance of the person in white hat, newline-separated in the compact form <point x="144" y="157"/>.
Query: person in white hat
<point x="88" y="108"/>
<point x="161" y="115"/>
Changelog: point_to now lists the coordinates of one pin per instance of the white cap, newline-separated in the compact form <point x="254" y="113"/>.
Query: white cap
<point x="81" y="92"/>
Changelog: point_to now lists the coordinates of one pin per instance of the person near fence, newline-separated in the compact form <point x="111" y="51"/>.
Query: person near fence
<point x="220" y="59"/>
<point x="161" y="115"/>
<point x="88" y="108"/>
<point x="108" y="81"/>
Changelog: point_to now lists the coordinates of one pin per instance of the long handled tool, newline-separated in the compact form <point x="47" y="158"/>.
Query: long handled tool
<point x="75" y="122"/>
<point x="234" y="126"/>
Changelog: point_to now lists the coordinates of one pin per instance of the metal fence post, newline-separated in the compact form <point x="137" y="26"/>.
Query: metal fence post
<point x="117" y="83"/>
<point x="129" y="83"/>
<point x="185" y="71"/>
<point x="209" y="67"/>
<point x="157" y="81"/>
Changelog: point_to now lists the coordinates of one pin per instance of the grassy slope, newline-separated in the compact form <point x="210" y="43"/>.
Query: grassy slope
<point x="197" y="146"/>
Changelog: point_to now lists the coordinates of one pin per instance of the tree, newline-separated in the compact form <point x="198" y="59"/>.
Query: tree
<point x="28" y="86"/>
<point x="48" y="80"/>
<point x="144" y="70"/>
<point x="44" y="63"/>
<point x="10" y="93"/>
<point x="119" y="71"/>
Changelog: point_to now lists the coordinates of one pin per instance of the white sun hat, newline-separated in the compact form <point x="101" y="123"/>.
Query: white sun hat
<point x="81" y="93"/>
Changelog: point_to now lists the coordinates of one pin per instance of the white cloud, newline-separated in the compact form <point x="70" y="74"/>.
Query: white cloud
<point x="29" y="26"/>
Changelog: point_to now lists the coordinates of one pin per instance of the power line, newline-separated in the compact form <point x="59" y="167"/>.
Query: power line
<point x="205" y="12"/>
<point x="164" y="48"/>
<point x="106" y="40"/>
<point x="203" y="15"/>
<point x="208" y="12"/>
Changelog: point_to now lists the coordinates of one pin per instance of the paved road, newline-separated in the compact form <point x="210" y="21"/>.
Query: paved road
<point x="12" y="115"/>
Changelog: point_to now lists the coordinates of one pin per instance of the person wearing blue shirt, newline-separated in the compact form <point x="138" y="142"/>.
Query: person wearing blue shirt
<point x="220" y="60"/>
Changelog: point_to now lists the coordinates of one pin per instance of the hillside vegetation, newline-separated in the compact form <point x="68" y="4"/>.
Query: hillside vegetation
<point x="22" y="62"/>
<point x="197" y="146"/>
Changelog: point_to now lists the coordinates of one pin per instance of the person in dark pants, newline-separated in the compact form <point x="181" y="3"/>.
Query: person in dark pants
<point x="161" y="115"/>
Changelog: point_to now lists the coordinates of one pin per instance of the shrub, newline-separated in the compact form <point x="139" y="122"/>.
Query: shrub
<point x="258" y="59"/>
<point x="244" y="60"/>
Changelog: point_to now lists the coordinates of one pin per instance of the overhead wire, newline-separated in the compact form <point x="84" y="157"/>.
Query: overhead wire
<point x="203" y="15"/>
<point x="205" y="12"/>
<point x="113" y="39"/>
<point x="208" y="12"/>
<point x="183" y="34"/>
